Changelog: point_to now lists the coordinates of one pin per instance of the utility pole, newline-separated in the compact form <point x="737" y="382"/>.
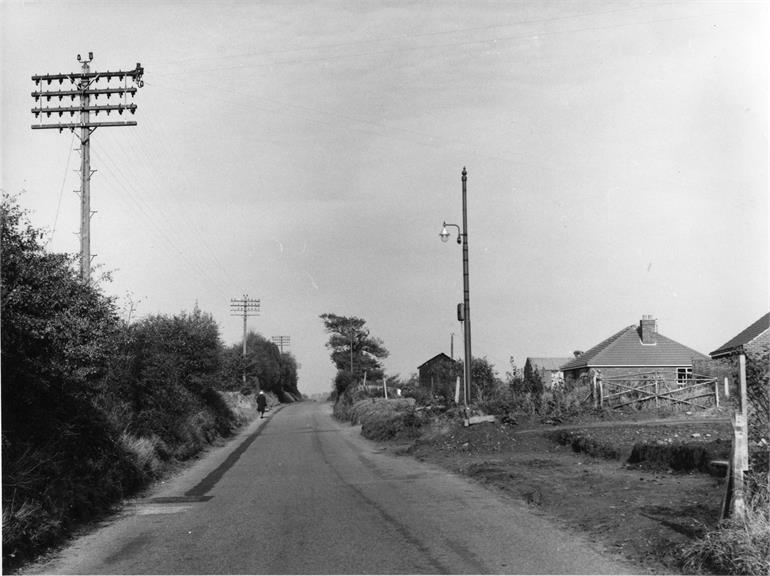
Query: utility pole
<point x="244" y="307"/>
<point x="82" y="85"/>
<point x="452" y="346"/>
<point x="282" y="341"/>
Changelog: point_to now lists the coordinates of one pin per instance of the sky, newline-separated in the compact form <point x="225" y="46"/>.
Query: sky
<point x="306" y="154"/>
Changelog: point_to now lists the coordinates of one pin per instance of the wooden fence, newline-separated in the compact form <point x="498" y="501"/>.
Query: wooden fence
<point x="653" y="389"/>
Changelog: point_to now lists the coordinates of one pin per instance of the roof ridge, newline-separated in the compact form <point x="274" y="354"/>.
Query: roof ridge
<point x="745" y="336"/>
<point x="591" y="353"/>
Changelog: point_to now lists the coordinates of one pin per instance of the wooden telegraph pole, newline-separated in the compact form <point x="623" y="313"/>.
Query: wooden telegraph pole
<point x="83" y="86"/>
<point x="281" y="341"/>
<point x="244" y="307"/>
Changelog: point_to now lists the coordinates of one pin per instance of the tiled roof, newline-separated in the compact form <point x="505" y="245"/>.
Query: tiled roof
<point x="625" y="348"/>
<point x="760" y="326"/>
<point x="548" y="363"/>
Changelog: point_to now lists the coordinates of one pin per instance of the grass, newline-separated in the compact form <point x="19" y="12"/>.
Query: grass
<point x="736" y="546"/>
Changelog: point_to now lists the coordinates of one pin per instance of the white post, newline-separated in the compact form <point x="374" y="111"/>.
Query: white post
<point x="740" y="462"/>
<point x="727" y="387"/>
<point x="744" y="399"/>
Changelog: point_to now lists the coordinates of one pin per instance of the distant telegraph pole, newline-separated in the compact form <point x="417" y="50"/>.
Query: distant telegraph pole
<point x="282" y="341"/>
<point x="83" y="85"/>
<point x="244" y="307"/>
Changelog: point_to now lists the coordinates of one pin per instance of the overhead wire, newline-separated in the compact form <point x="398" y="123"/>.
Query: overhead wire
<point x="126" y="185"/>
<point x="443" y="46"/>
<point x="412" y="36"/>
<point x="61" y="190"/>
<point x="151" y="173"/>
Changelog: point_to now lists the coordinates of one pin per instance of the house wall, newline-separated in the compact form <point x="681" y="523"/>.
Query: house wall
<point x="759" y="342"/>
<point x="668" y="373"/>
<point x="437" y="375"/>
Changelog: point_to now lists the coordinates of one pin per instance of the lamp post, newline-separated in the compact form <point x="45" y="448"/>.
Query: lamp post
<point x="462" y="238"/>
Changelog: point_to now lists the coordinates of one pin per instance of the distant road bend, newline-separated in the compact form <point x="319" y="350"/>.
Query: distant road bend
<point x="300" y="493"/>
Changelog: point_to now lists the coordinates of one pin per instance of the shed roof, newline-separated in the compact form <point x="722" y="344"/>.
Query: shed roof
<point x="744" y="337"/>
<point x="625" y="348"/>
<point x="440" y="357"/>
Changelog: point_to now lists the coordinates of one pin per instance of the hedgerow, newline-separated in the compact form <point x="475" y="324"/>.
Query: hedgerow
<point x="93" y="408"/>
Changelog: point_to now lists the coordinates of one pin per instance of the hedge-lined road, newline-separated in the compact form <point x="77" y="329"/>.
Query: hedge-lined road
<point x="301" y="493"/>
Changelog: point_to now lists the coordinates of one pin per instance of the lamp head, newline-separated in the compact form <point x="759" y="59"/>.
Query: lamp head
<point x="444" y="234"/>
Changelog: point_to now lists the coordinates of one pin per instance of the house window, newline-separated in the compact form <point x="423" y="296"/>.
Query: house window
<point x="683" y="375"/>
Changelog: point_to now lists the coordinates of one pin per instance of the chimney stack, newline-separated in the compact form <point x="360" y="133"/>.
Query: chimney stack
<point x="648" y="329"/>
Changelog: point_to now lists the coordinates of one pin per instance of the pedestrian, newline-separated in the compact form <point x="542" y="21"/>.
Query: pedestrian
<point x="261" y="404"/>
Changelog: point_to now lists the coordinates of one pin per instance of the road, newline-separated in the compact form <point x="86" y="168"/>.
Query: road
<point x="300" y="493"/>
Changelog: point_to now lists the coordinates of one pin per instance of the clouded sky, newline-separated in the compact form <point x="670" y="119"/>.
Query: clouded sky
<point x="306" y="154"/>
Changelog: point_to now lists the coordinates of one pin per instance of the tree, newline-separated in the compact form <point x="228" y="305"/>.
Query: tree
<point x="533" y="382"/>
<point x="484" y="379"/>
<point x="57" y="331"/>
<point x="265" y="366"/>
<point x="353" y="349"/>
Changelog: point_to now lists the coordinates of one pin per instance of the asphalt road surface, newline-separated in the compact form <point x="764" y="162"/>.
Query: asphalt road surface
<point x="300" y="493"/>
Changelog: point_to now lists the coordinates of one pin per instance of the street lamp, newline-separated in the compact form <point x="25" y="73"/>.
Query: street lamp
<point x="462" y="238"/>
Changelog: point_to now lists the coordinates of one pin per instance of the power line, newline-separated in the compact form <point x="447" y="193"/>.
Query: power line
<point x="158" y="227"/>
<point x="454" y="32"/>
<point x="61" y="190"/>
<point x="442" y="46"/>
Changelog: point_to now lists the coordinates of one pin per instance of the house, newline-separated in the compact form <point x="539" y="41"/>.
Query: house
<point x="438" y="374"/>
<point x="549" y="370"/>
<point x="636" y="349"/>
<point x="749" y="340"/>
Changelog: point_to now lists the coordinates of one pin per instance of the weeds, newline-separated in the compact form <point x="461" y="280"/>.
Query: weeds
<point x="736" y="546"/>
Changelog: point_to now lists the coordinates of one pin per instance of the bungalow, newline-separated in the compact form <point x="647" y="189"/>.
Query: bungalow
<point x="549" y="370"/>
<point x="636" y="349"/>
<point x="749" y="340"/>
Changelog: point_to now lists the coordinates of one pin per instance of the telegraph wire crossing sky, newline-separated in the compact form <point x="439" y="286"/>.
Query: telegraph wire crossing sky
<point x="308" y="154"/>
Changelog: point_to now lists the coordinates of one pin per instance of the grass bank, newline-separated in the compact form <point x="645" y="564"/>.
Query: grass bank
<point x="74" y="465"/>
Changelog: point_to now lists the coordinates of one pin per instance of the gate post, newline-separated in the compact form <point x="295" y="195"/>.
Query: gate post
<point x="601" y="391"/>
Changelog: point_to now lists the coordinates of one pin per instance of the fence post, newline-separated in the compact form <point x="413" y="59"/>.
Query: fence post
<point x="716" y="392"/>
<point x="744" y="407"/>
<point x="594" y="391"/>
<point x="457" y="391"/>
<point x="727" y="387"/>
<point x="657" y="391"/>
<point x="601" y="391"/>
<point x="740" y="462"/>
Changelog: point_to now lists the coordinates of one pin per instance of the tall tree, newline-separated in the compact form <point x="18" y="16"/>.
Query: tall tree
<point x="353" y="349"/>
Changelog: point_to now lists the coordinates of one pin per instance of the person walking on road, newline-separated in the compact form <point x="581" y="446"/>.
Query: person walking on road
<point x="261" y="404"/>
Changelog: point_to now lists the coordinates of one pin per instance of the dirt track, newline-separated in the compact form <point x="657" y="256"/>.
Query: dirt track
<point x="646" y="513"/>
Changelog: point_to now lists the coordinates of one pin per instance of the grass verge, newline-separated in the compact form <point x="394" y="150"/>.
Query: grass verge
<point x="736" y="546"/>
